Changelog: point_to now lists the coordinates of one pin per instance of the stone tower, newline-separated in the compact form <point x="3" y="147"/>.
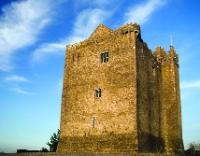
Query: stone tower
<point x="118" y="96"/>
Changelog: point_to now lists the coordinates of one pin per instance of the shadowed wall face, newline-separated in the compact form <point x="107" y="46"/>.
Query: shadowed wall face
<point x="171" y="128"/>
<point x="111" y="98"/>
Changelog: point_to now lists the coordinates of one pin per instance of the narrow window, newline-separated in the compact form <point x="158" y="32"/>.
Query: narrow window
<point x="98" y="92"/>
<point x="104" y="57"/>
<point x="93" y="122"/>
<point x="75" y="57"/>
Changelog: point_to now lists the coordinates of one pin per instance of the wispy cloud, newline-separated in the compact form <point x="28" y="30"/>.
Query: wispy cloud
<point x="16" y="78"/>
<point x="85" y="23"/>
<point x="21" y="91"/>
<point x="20" y="24"/>
<point x="14" y="83"/>
<point x="192" y="84"/>
<point x="88" y="19"/>
<point x="93" y="2"/>
<point x="47" y="49"/>
<point x="141" y="13"/>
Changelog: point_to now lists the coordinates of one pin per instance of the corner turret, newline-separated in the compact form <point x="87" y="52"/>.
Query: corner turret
<point x="173" y="57"/>
<point x="160" y="52"/>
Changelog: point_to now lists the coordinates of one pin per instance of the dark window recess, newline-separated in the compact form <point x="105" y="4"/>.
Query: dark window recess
<point x="75" y="57"/>
<point x="126" y="32"/>
<point x="93" y="122"/>
<point x="104" y="57"/>
<point x="98" y="92"/>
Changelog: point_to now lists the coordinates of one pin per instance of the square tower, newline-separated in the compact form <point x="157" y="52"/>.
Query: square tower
<point x="111" y="101"/>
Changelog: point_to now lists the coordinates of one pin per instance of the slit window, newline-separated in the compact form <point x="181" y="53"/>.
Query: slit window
<point x="93" y="122"/>
<point x="98" y="92"/>
<point x="75" y="57"/>
<point x="104" y="57"/>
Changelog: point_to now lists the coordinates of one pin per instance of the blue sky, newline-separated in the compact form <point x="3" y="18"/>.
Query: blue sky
<point x="33" y="36"/>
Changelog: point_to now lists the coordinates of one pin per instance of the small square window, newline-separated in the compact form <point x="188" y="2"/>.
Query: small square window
<point x="104" y="57"/>
<point x="98" y="92"/>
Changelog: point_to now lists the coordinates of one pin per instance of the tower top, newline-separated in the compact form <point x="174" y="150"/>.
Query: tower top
<point x="132" y="27"/>
<point x="172" y="51"/>
<point x="160" y="52"/>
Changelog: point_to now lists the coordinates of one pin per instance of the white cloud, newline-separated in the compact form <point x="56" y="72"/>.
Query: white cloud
<point x="16" y="78"/>
<point x="193" y="84"/>
<point x="88" y="19"/>
<point x="13" y="82"/>
<point x="47" y="49"/>
<point x="99" y="3"/>
<point x="85" y="23"/>
<point x="20" y="24"/>
<point x="21" y="91"/>
<point x="141" y="13"/>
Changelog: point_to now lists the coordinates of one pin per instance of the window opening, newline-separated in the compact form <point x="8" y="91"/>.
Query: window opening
<point x="98" y="92"/>
<point x="93" y="122"/>
<point x="104" y="57"/>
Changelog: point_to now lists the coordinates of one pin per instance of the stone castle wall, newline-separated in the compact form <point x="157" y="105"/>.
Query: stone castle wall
<point x="170" y="115"/>
<point x="139" y="107"/>
<point x="114" y="112"/>
<point x="147" y="101"/>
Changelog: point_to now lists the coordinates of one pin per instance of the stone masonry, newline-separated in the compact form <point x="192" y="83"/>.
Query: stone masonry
<point x="118" y="96"/>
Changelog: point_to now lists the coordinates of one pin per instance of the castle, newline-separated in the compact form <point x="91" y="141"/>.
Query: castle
<point x="118" y="96"/>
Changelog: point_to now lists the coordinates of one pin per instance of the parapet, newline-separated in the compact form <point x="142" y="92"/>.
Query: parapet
<point x="164" y="57"/>
<point x="130" y="27"/>
<point x="160" y="52"/>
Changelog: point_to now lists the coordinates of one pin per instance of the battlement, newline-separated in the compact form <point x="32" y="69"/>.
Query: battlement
<point x="162" y="52"/>
<point x="129" y="28"/>
<point x="103" y="31"/>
